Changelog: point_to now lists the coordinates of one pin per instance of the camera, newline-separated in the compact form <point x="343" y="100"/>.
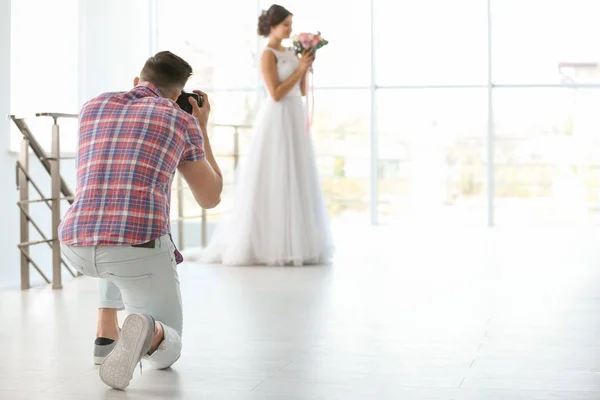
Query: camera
<point x="184" y="103"/>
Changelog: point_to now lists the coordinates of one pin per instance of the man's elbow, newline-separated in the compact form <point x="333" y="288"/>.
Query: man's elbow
<point x="211" y="203"/>
<point x="214" y="199"/>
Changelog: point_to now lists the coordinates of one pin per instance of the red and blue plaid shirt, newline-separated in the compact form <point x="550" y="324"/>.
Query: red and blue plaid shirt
<point x="130" y="144"/>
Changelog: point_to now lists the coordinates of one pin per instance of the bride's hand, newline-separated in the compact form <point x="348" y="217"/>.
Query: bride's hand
<point x="306" y="61"/>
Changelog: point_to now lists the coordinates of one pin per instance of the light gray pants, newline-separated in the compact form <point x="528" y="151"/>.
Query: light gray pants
<point x="139" y="280"/>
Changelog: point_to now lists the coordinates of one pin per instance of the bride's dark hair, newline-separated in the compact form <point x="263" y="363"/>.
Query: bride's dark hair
<point x="275" y="15"/>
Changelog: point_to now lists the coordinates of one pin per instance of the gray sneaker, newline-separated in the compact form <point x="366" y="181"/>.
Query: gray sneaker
<point x="102" y="348"/>
<point x="134" y="342"/>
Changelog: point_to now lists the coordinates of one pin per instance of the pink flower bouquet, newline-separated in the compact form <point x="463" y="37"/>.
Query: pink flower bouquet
<point x="306" y="41"/>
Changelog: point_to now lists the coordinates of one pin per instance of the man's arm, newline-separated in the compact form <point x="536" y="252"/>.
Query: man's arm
<point x="204" y="177"/>
<point x="209" y="153"/>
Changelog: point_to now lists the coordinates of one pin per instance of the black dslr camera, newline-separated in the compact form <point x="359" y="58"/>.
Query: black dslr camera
<point x="184" y="103"/>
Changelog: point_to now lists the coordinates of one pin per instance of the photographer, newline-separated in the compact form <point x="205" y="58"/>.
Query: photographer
<point x="118" y="228"/>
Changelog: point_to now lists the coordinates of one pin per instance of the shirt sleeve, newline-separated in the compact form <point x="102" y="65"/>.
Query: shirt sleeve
<point x="194" y="143"/>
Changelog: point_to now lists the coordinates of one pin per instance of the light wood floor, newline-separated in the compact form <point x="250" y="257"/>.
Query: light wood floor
<point x="402" y="314"/>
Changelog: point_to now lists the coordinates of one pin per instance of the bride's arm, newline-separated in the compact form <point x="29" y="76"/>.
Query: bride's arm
<point x="268" y="66"/>
<point x="303" y="84"/>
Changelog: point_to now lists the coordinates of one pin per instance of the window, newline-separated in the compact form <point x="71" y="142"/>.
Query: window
<point x="429" y="42"/>
<point x="432" y="141"/>
<point x="341" y="136"/>
<point x="533" y="39"/>
<point x="431" y="149"/>
<point x="546" y="155"/>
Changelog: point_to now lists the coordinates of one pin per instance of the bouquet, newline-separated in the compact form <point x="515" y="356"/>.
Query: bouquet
<point x="306" y="41"/>
<point x="302" y="42"/>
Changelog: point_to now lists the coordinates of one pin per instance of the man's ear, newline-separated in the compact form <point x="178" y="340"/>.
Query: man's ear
<point x="136" y="81"/>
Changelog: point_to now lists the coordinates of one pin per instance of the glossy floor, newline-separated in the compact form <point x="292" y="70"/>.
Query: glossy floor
<point x="428" y="314"/>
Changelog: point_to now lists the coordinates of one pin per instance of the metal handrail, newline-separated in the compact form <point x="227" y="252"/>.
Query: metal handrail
<point x="44" y="237"/>
<point x="56" y="116"/>
<point x="28" y="178"/>
<point x="38" y="150"/>
<point x="60" y="192"/>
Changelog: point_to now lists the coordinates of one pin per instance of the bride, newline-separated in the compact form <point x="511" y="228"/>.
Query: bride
<point x="279" y="215"/>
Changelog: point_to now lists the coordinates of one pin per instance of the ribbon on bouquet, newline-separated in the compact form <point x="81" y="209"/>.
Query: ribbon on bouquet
<point x="310" y="99"/>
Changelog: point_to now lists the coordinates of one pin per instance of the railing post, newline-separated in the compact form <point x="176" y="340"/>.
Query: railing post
<point x="180" y="211"/>
<point x="236" y="147"/>
<point x="204" y="223"/>
<point x="56" y="193"/>
<point x="23" y="198"/>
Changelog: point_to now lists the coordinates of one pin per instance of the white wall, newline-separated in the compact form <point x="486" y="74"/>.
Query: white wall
<point x="8" y="215"/>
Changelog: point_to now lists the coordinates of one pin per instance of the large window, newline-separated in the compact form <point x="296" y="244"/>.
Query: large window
<point x="443" y="93"/>
<point x="466" y="111"/>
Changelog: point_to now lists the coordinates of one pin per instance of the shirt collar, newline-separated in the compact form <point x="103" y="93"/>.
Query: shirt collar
<point x="150" y="86"/>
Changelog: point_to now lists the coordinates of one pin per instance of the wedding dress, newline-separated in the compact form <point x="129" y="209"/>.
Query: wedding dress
<point x="279" y="214"/>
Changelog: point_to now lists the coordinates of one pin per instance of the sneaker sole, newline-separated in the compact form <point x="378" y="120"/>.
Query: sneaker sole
<point x="117" y="369"/>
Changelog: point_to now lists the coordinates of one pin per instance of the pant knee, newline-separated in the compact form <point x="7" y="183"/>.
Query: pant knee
<point x="168" y="365"/>
<point x="164" y="360"/>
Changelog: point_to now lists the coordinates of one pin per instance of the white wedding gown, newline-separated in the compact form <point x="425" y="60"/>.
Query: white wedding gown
<point x="279" y="215"/>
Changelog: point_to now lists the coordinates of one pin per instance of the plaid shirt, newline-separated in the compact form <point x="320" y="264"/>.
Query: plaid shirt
<point x="130" y="144"/>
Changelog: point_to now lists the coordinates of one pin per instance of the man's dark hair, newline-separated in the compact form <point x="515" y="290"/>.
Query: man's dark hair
<point x="168" y="72"/>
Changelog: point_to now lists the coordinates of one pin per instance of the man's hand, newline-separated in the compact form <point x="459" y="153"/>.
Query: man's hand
<point x="201" y="113"/>
<point x="203" y="177"/>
